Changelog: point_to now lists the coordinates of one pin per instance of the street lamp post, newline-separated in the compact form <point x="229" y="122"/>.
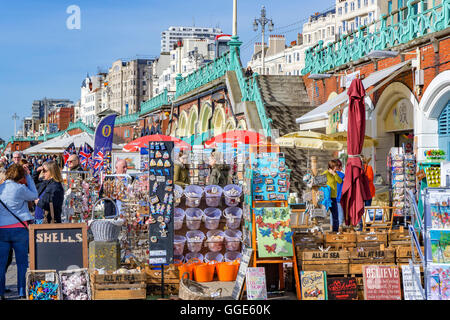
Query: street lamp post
<point x="263" y="21"/>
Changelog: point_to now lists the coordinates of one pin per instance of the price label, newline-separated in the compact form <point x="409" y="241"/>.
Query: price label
<point x="158" y="253"/>
<point x="157" y="260"/>
<point x="50" y="277"/>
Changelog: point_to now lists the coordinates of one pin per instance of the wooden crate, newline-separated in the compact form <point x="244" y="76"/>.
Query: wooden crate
<point x="403" y="254"/>
<point x="339" y="241"/>
<point x="399" y="237"/>
<point x="118" y="286"/>
<point x="371" y="239"/>
<point x="371" y="255"/>
<point x="308" y="239"/>
<point x="171" y="275"/>
<point x="333" y="262"/>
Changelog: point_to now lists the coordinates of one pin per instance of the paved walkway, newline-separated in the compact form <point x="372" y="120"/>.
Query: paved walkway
<point x="11" y="281"/>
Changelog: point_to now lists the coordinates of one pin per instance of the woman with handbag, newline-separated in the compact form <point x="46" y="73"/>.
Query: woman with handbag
<point x="51" y="195"/>
<point x="14" y="213"/>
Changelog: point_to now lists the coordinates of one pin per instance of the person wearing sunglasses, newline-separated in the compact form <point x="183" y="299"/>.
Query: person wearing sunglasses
<point x="51" y="194"/>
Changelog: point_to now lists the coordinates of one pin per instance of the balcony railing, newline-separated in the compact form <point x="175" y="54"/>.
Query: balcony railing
<point x="400" y="27"/>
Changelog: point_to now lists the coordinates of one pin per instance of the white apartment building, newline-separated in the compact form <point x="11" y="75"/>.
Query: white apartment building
<point x="352" y="14"/>
<point x="320" y="27"/>
<point x="170" y="36"/>
<point x="274" y="56"/>
<point x="91" y="99"/>
<point x="128" y="83"/>
<point x="194" y="54"/>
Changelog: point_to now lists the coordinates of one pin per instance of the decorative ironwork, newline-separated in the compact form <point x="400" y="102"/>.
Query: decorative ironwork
<point x="401" y="26"/>
<point x="155" y="102"/>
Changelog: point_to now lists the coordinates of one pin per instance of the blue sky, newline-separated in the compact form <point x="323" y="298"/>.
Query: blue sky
<point x="40" y="57"/>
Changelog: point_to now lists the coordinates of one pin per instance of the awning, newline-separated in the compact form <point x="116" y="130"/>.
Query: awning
<point x="322" y="111"/>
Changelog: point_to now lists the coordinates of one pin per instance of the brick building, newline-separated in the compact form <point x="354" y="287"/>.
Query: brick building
<point x="62" y="117"/>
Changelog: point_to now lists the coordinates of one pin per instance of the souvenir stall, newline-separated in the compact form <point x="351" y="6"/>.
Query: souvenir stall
<point x="208" y="235"/>
<point x="402" y="178"/>
<point x="81" y="191"/>
<point x="266" y="214"/>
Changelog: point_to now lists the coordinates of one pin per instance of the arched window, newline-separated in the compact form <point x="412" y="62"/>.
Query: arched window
<point x="444" y="130"/>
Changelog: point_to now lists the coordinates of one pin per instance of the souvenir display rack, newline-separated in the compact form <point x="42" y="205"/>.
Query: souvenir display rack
<point x="81" y="191"/>
<point x="198" y="167"/>
<point x="437" y="243"/>
<point x="131" y="193"/>
<point x="402" y="177"/>
<point x="260" y="156"/>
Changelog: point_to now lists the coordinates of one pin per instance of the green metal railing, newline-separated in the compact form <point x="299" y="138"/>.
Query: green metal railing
<point x="155" y="102"/>
<point x="399" y="27"/>
<point x="130" y="118"/>
<point x="229" y="61"/>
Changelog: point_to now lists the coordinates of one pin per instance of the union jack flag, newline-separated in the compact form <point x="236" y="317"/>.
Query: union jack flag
<point x="85" y="154"/>
<point x="71" y="149"/>
<point x="98" y="161"/>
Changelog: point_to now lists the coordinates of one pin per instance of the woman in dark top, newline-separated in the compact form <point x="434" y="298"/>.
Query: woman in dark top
<point x="50" y="190"/>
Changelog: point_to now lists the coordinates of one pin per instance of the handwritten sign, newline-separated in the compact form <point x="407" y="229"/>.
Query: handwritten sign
<point x="313" y="285"/>
<point x="342" y="289"/>
<point x="240" y="278"/>
<point x="411" y="289"/>
<point x="381" y="282"/>
<point x="58" y="246"/>
<point x="256" y="284"/>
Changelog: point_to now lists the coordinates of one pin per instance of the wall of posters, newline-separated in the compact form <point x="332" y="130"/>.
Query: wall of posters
<point x="381" y="282"/>
<point x="256" y="284"/>
<point x="273" y="232"/>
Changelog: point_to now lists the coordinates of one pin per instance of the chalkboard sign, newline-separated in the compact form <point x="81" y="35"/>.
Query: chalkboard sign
<point x="382" y="283"/>
<point x="240" y="278"/>
<point x="161" y="231"/>
<point x="342" y="289"/>
<point x="58" y="246"/>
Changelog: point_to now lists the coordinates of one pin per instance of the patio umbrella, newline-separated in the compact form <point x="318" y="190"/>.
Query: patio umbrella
<point x="343" y="137"/>
<point x="143" y="142"/>
<point x="356" y="186"/>
<point x="236" y="137"/>
<point x="309" y="140"/>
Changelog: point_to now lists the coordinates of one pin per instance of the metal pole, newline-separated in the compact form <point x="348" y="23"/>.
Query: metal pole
<point x="234" y="18"/>
<point x="263" y="27"/>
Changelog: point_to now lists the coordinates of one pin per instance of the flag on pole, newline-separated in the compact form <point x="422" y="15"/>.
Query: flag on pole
<point x="85" y="154"/>
<point x="71" y="149"/>
<point x="103" y="140"/>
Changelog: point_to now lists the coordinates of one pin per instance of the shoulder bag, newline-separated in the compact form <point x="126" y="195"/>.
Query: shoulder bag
<point x="23" y="223"/>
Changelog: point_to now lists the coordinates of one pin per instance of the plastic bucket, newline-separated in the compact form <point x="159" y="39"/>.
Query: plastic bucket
<point x="212" y="218"/>
<point x="178" y="217"/>
<point x="193" y="195"/>
<point x="195" y="240"/>
<point x="213" y="199"/>
<point x="232" y="194"/>
<point x="193" y="218"/>
<point x="214" y="240"/>
<point x="204" y="272"/>
<point x="193" y="257"/>
<point x="227" y="271"/>
<point x="214" y="256"/>
<point x="233" y="216"/>
<point x="189" y="267"/>
<point x="233" y="240"/>
<point x="232" y="256"/>
<point x="178" y="245"/>
<point x="178" y="193"/>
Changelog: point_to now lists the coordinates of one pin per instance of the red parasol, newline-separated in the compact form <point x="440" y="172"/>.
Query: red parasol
<point x="356" y="186"/>
<point x="236" y="137"/>
<point x="143" y="142"/>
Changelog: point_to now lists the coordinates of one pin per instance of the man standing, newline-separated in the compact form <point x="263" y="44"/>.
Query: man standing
<point x="17" y="156"/>
<point x="339" y="191"/>
<point x="74" y="163"/>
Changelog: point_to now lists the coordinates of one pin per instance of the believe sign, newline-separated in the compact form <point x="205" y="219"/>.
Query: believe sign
<point x="381" y="282"/>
